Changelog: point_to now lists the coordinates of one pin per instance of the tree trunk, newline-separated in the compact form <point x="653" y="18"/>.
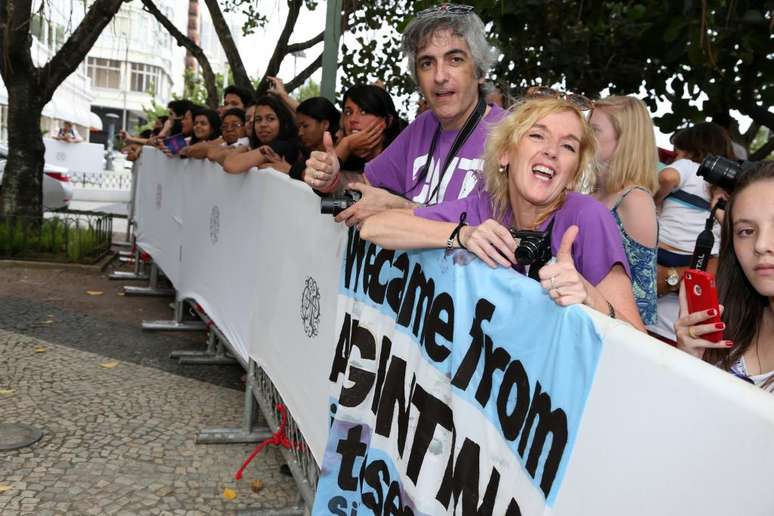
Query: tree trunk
<point x="192" y="33"/>
<point x="229" y="47"/>
<point x="22" y="189"/>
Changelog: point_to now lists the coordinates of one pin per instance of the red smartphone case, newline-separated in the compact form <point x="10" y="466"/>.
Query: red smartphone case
<point x="701" y="294"/>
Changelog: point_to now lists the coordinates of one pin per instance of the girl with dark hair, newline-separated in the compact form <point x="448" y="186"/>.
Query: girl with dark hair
<point x="314" y="116"/>
<point x="369" y="122"/>
<point x="273" y="125"/>
<point x="206" y="126"/>
<point x="683" y="199"/>
<point x="745" y="286"/>
<point x="273" y="134"/>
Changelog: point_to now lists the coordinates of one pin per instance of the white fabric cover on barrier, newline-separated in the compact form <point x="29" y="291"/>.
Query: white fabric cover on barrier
<point x="76" y="157"/>
<point x="662" y="433"/>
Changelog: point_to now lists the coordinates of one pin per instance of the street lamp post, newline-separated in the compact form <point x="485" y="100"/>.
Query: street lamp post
<point x="128" y="83"/>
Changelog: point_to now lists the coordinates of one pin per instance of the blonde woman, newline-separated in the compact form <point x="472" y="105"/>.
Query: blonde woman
<point x="533" y="159"/>
<point x="626" y="181"/>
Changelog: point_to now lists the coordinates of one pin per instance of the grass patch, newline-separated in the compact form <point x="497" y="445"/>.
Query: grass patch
<point x="56" y="239"/>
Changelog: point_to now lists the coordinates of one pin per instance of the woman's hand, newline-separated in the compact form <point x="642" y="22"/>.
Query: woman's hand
<point x="277" y="87"/>
<point x="562" y="281"/>
<point x="273" y="160"/>
<point x="365" y="142"/>
<point x="322" y="167"/>
<point x="691" y="326"/>
<point x="490" y="241"/>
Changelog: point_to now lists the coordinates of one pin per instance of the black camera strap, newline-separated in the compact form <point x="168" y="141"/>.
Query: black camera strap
<point x="689" y="198"/>
<point x="536" y="266"/>
<point x="706" y="240"/>
<point x="462" y="136"/>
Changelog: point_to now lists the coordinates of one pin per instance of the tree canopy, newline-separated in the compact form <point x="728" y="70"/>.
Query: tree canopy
<point x="715" y="51"/>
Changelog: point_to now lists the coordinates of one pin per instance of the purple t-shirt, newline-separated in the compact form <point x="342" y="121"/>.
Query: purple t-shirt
<point x="397" y="168"/>
<point x="596" y="249"/>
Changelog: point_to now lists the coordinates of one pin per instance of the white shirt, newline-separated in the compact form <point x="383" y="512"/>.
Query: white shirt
<point x="680" y="223"/>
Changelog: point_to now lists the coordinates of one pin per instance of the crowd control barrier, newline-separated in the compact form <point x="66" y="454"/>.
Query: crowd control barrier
<point x="650" y="429"/>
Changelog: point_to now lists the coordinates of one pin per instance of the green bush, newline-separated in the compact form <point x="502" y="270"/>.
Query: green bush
<point x="57" y="239"/>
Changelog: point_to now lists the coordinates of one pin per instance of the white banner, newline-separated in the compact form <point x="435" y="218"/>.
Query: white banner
<point x="660" y="432"/>
<point x="76" y="157"/>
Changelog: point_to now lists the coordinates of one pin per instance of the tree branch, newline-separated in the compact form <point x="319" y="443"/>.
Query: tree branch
<point x="71" y="55"/>
<point x="281" y="48"/>
<point x="296" y="47"/>
<point x="307" y="72"/>
<point x="229" y="47"/>
<point x="764" y="151"/>
<point x="14" y="31"/>
<point x="194" y="49"/>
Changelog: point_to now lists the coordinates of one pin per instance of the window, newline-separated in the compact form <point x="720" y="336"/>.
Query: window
<point x="104" y="73"/>
<point x="145" y="78"/>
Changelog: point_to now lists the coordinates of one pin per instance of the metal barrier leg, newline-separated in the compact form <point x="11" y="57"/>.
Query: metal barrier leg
<point x="177" y="324"/>
<point x="247" y="433"/>
<point x="138" y="273"/>
<point x="210" y="351"/>
<point x="153" y="288"/>
<point x="216" y="353"/>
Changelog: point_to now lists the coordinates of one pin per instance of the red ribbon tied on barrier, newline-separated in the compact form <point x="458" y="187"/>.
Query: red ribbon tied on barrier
<point x="279" y="438"/>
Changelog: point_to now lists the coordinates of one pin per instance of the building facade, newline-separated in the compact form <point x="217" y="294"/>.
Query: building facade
<point x="134" y="65"/>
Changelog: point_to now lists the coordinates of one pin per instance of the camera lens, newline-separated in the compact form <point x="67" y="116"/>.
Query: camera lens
<point x="527" y="252"/>
<point x="719" y="171"/>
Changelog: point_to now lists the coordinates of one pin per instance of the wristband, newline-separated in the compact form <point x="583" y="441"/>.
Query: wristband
<point x="610" y="310"/>
<point x="455" y="235"/>
<point x="331" y="187"/>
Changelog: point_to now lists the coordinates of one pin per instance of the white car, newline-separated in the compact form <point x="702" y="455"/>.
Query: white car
<point x="57" y="188"/>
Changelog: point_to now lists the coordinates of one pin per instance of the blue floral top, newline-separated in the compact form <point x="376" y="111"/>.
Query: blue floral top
<point x="642" y="261"/>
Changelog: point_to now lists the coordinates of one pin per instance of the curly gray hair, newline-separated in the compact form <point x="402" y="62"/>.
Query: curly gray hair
<point x="467" y="25"/>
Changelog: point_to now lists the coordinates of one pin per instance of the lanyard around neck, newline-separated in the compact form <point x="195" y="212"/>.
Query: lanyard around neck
<point x="470" y="124"/>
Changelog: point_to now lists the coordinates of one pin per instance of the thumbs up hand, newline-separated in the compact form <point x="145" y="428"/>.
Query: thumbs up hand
<point x="561" y="280"/>
<point x="322" y="167"/>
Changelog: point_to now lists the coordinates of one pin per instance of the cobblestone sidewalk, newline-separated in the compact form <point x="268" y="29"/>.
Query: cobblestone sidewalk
<point x="121" y="440"/>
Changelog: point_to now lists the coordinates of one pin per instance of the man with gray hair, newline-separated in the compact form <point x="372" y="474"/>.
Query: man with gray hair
<point x="438" y="156"/>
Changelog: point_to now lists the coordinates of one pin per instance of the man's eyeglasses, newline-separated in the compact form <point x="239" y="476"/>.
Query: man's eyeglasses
<point x="450" y="9"/>
<point x="580" y="101"/>
<point x="231" y="127"/>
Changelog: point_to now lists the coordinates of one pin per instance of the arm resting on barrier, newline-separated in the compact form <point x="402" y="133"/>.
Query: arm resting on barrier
<point x="240" y="163"/>
<point x="219" y="154"/>
<point x="494" y="245"/>
<point x="374" y="200"/>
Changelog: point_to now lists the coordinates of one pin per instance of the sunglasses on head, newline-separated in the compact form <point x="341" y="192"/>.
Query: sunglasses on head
<point x="580" y="101"/>
<point x="451" y="9"/>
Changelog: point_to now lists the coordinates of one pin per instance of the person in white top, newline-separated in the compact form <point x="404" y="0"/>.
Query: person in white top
<point x="68" y="133"/>
<point x="745" y="286"/>
<point x="683" y="203"/>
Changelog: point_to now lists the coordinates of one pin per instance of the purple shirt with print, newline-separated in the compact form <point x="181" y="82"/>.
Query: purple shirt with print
<point x="396" y="169"/>
<point x="596" y="249"/>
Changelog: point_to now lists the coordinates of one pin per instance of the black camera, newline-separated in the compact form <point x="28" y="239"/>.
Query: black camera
<point x="338" y="203"/>
<point x="722" y="172"/>
<point x="533" y="249"/>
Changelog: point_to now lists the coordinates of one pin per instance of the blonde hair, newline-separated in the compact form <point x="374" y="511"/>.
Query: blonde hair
<point x="508" y="132"/>
<point x="635" y="160"/>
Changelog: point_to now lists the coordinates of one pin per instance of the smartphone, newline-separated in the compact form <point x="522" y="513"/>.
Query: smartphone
<point x="701" y="294"/>
<point x="175" y="143"/>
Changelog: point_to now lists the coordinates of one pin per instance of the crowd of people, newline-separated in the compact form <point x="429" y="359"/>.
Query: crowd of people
<point x="608" y="225"/>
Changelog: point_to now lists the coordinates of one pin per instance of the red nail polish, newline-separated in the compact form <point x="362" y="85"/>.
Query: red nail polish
<point x="720" y="326"/>
<point x="711" y="312"/>
<point x="729" y="344"/>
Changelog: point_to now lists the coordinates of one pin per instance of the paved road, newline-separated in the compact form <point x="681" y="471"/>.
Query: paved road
<point x="117" y="440"/>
